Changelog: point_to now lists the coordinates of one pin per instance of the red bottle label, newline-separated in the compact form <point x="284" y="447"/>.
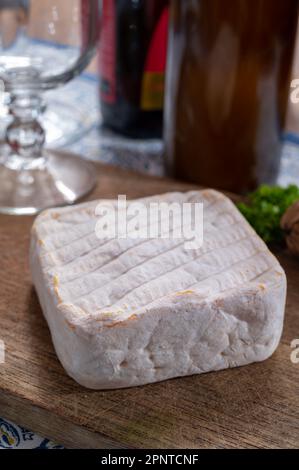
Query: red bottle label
<point x="108" y="52"/>
<point x="152" y="93"/>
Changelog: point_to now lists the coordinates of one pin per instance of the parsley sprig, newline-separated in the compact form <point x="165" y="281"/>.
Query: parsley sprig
<point x="265" y="208"/>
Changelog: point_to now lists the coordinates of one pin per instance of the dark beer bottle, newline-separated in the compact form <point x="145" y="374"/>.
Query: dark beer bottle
<point x="133" y="43"/>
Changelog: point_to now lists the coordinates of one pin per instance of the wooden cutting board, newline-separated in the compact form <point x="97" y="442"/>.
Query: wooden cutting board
<point x="253" y="406"/>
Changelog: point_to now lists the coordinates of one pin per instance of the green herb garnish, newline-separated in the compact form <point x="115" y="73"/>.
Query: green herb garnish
<point x="266" y="207"/>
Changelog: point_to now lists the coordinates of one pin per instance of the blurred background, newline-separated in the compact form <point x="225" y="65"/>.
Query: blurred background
<point x="116" y="149"/>
<point x="39" y="31"/>
<point x="81" y="98"/>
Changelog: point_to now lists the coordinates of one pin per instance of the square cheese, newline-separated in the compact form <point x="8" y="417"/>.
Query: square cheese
<point x="125" y="312"/>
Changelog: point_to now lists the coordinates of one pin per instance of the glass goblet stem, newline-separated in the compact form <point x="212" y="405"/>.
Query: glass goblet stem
<point x="25" y="135"/>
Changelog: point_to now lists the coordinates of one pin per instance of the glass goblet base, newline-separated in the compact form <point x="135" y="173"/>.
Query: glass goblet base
<point x="56" y="179"/>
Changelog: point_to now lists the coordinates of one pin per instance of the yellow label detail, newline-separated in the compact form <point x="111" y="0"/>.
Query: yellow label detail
<point x="152" y="96"/>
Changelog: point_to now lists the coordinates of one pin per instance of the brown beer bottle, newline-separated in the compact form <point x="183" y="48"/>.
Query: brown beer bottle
<point x="228" y="84"/>
<point x="133" y="43"/>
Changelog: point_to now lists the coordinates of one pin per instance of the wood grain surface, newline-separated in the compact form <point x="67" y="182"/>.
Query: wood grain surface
<point x="256" y="406"/>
